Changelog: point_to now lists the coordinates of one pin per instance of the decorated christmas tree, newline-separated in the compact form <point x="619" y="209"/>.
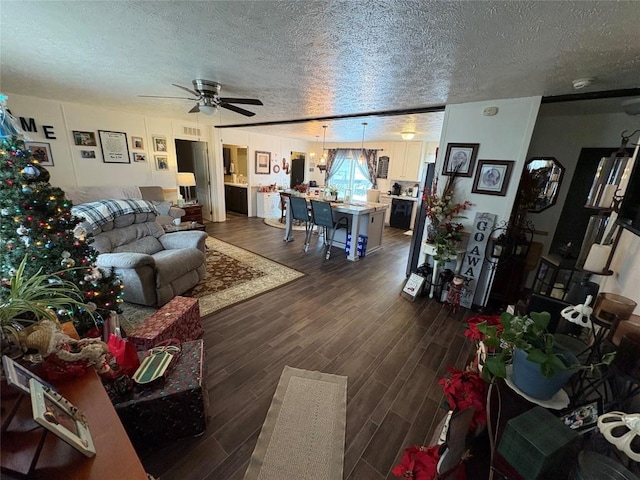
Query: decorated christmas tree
<point x="36" y="222"/>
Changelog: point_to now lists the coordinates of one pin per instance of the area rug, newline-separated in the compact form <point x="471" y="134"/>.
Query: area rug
<point x="233" y="276"/>
<point x="303" y="434"/>
<point x="275" y="222"/>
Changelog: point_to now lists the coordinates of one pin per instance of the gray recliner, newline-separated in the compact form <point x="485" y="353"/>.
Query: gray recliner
<point x="154" y="266"/>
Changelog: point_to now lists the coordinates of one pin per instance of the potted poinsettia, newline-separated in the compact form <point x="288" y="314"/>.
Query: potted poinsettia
<point x="463" y="389"/>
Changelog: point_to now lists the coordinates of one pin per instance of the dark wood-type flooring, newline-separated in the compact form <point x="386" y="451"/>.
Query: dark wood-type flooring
<point x="343" y="318"/>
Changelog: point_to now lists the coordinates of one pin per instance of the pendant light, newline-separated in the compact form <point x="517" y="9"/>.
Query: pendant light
<point x="362" y="155"/>
<point x="312" y="155"/>
<point x="323" y="159"/>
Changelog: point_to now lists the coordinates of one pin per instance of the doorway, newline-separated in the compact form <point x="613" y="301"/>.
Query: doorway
<point x="297" y="168"/>
<point x="192" y="156"/>
<point x="236" y="177"/>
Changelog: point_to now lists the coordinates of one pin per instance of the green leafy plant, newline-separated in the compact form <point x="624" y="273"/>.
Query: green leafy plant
<point x="530" y="334"/>
<point x="27" y="300"/>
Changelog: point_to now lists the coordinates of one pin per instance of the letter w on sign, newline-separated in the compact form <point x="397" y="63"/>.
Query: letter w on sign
<point x="474" y="257"/>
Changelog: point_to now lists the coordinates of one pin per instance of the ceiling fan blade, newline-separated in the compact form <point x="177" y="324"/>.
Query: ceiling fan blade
<point x="195" y="109"/>
<point x="246" y="101"/>
<point x="192" y="92"/>
<point x="162" y="96"/>
<point x="239" y="110"/>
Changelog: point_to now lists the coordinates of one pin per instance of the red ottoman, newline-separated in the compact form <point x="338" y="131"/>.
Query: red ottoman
<point x="180" y="318"/>
<point x="172" y="408"/>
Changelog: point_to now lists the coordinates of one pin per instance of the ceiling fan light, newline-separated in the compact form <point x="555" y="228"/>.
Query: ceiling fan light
<point x="208" y="109"/>
<point x="408" y="135"/>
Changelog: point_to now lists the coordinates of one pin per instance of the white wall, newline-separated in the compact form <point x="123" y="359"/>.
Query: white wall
<point x="505" y="136"/>
<point x="71" y="170"/>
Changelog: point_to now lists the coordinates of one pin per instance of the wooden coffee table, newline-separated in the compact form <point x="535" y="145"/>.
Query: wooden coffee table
<point x="183" y="227"/>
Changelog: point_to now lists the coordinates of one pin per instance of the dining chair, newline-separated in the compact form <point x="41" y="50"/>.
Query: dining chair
<point x="323" y="217"/>
<point x="300" y="212"/>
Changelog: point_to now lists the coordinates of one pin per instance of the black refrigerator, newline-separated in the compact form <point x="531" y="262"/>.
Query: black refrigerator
<point x="419" y="224"/>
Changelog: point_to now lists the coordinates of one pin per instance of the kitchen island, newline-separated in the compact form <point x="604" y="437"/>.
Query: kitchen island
<point x="364" y="219"/>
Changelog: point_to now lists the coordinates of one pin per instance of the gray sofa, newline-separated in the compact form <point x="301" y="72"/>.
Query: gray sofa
<point x="154" y="266"/>
<point x="155" y="194"/>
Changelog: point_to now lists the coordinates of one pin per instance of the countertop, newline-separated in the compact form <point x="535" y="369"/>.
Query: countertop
<point x="243" y="185"/>
<point x="401" y="197"/>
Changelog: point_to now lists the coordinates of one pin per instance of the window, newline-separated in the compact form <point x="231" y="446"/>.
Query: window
<point x="347" y="173"/>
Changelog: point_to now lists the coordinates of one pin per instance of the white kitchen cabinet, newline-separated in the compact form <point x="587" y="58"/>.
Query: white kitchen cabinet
<point x="268" y="205"/>
<point x="387" y="213"/>
<point x="405" y="161"/>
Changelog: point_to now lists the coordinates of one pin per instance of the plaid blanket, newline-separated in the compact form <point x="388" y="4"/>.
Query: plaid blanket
<point x="103" y="211"/>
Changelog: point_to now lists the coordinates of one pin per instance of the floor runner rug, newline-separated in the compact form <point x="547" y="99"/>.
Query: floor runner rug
<point x="233" y="276"/>
<point x="303" y="435"/>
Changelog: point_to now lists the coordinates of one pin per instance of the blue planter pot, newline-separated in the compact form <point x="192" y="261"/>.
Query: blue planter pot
<point x="528" y="378"/>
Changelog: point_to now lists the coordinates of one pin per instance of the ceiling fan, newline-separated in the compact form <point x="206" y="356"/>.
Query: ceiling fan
<point x="206" y="95"/>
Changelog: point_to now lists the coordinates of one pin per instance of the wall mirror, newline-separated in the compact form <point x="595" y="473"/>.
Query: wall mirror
<point x="545" y="175"/>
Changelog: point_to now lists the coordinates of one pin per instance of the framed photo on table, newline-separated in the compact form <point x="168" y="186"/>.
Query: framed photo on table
<point x="19" y="376"/>
<point x="115" y="148"/>
<point x="59" y="416"/>
<point x="263" y="162"/>
<point x="460" y="159"/>
<point x="492" y="177"/>
<point x="583" y="417"/>
<point x="41" y="151"/>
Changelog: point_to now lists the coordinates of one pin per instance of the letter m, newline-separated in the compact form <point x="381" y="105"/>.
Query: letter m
<point x="29" y="126"/>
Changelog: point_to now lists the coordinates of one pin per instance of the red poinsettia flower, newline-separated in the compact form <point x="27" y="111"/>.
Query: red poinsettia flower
<point x="418" y="463"/>
<point x="464" y="389"/>
<point x="472" y="332"/>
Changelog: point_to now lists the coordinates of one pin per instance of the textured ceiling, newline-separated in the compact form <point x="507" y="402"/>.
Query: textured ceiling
<point x="311" y="59"/>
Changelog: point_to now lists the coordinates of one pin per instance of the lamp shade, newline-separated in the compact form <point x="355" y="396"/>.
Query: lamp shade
<point x="407" y="135"/>
<point x="186" y="179"/>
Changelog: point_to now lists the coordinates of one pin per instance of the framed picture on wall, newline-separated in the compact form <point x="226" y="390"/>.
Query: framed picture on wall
<point x="137" y="143"/>
<point x="41" y="151"/>
<point x="88" y="153"/>
<point x="263" y="162"/>
<point x="460" y="159"/>
<point x="115" y="148"/>
<point x="162" y="162"/>
<point x="139" y="157"/>
<point x="85" y="139"/>
<point x="492" y="177"/>
<point x="159" y="143"/>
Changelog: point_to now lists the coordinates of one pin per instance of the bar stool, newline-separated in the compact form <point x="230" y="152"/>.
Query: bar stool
<point x="323" y="217"/>
<point x="300" y="212"/>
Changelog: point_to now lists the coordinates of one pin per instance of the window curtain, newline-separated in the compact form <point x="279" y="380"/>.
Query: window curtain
<point x="368" y="168"/>
<point x="331" y="156"/>
<point x="335" y="159"/>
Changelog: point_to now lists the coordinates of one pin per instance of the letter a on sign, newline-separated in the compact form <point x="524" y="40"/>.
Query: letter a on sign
<point x="474" y="258"/>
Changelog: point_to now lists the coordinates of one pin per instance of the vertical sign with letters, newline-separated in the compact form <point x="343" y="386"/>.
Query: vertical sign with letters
<point x="474" y="257"/>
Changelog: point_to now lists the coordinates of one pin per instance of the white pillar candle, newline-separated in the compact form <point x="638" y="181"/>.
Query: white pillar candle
<point x="597" y="258"/>
<point x="609" y="191"/>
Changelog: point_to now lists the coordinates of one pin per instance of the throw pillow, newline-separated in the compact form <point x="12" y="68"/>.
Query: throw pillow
<point x="162" y="207"/>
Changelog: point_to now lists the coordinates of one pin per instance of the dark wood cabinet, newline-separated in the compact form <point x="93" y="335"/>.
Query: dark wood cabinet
<point x="193" y="213"/>
<point x="236" y="199"/>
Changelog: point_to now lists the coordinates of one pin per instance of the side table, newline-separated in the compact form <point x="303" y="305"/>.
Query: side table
<point x="193" y="213"/>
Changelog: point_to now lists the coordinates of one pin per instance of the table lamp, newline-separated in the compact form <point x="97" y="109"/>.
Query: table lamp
<point x="187" y="180"/>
